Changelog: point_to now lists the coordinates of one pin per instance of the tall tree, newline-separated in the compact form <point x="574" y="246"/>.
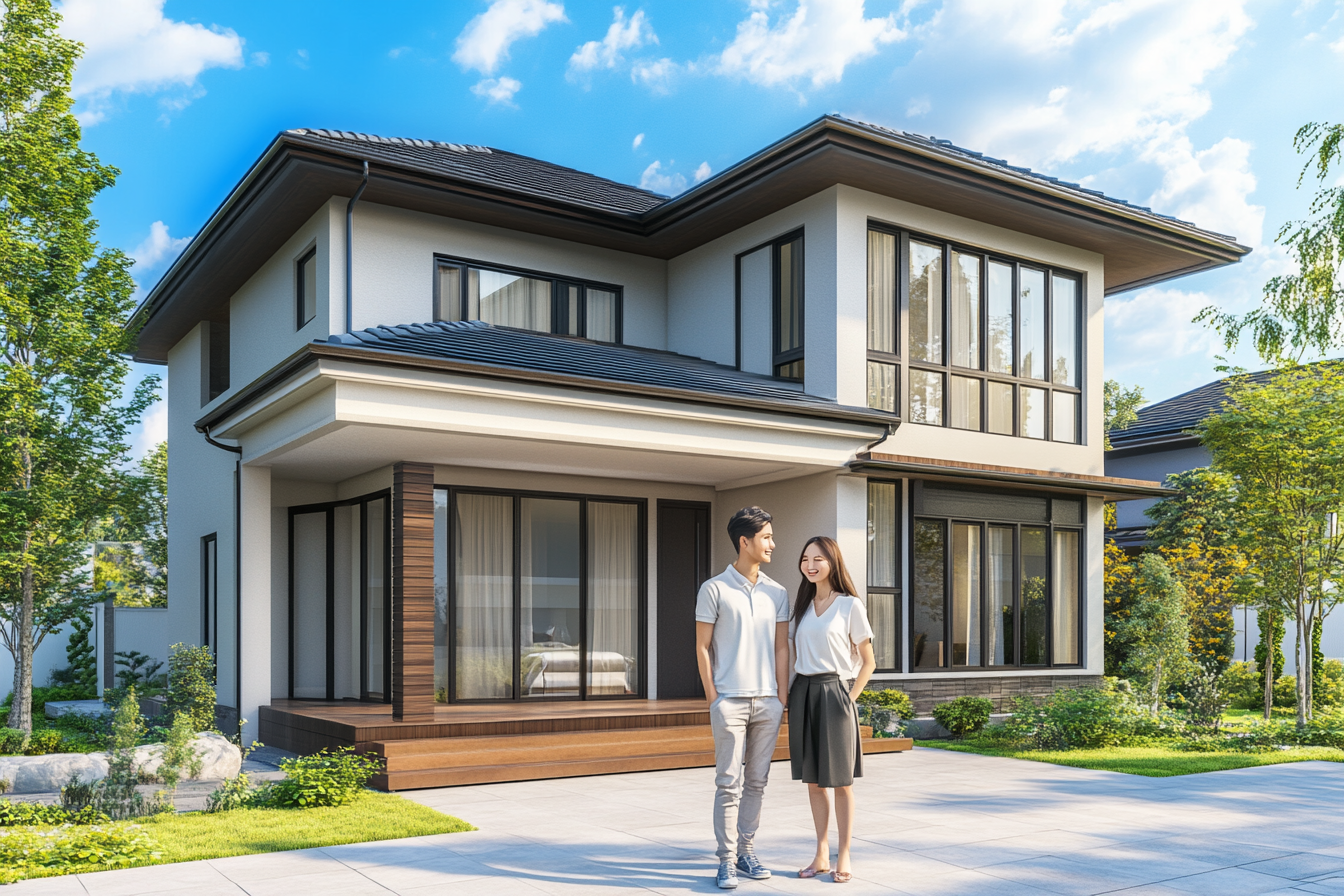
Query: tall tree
<point x="63" y="304"/>
<point x="1120" y="408"/>
<point x="1283" y="442"/>
<point x="132" y="556"/>
<point x="1155" y="628"/>
<point x="1302" y="312"/>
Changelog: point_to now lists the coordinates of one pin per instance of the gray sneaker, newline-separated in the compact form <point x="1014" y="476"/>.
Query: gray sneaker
<point x="750" y="866"/>
<point x="727" y="879"/>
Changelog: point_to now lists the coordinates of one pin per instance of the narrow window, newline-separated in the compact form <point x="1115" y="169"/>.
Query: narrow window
<point x="1035" y="579"/>
<point x="965" y="395"/>
<point x="1067" y="597"/>
<point x="926" y="302"/>
<point x="1064" y="417"/>
<point x="305" y="291"/>
<point x="600" y="314"/>
<point x="215" y="356"/>
<point x="881" y="386"/>
<point x="788" y="322"/>
<point x="1000" y="407"/>
<point x="965" y="594"/>
<point x="926" y="397"/>
<point x="999" y="616"/>
<point x="209" y="590"/>
<point x="1000" y="318"/>
<point x="1031" y="306"/>
<point x="1064" y="329"/>
<point x="1031" y="416"/>
<point x="929" y="595"/>
<point x="884" y="593"/>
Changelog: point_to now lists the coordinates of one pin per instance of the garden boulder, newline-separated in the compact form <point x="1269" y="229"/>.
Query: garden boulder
<point x="46" y="774"/>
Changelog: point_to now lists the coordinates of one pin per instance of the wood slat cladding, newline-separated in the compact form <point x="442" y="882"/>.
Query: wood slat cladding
<point x="413" y="592"/>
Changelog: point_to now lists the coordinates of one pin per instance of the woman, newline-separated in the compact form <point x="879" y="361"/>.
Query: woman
<point x="833" y="656"/>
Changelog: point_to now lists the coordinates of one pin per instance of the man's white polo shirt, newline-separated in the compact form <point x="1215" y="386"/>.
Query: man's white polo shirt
<point x="742" y="652"/>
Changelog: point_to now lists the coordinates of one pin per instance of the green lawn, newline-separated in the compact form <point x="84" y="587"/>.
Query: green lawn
<point x="371" y="816"/>
<point x="1153" y="762"/>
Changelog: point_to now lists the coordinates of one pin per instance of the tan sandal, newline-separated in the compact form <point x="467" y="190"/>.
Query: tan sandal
<point x="810" y="872"/>
<point x="841" y="877"/>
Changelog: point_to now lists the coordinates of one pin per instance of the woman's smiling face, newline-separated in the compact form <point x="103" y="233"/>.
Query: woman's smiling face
<point x="814" y="564"/>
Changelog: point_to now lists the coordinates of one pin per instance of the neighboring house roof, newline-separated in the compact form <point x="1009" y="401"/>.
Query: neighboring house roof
<point x="304" y="168"/>
<point x="1165" y="425"/>
<point x="482" y="349"/>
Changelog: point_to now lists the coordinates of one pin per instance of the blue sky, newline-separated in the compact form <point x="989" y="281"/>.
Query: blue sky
<point x="1189" y="107"/>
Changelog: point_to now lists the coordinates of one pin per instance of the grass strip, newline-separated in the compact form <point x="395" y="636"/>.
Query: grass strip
<point x="370" y="816"/>
<point x="1149" y="761"/>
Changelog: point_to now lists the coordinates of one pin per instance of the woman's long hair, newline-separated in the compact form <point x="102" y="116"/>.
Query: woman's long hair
<point x="839" y="580"/>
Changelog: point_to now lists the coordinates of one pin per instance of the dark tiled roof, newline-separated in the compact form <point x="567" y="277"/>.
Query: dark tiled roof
<point x="477" y="343"/>
<point x="1165" y="419"/>
<point x="495" y="167"/>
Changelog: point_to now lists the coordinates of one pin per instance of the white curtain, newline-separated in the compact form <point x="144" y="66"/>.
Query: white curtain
<point x="483" y="545"/>
<point x="1067" y="591"/>
<point x="882" y="619"/>
<point x="601" y="315"/>
<point x="511" y="301"/>
<point x="613" y="597"/>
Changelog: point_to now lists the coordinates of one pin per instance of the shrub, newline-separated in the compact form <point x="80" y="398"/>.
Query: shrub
<point x="889" y="699"/>
<point x="1107" y="716"/>
<point x="71" y="848"/>
<point x="191" y="685"/>
<point x="80" y="653"/>
<point x="1242" y="684"/>
<point x="11" y="741"/>
<point x="327" y="778"/>
<point x="884" y="722"/>
<point x="1206" y="700"/>
<point x="77" y="795"/>
<point x="21" y="814"/>
<point x="1329" y="687"/>
<point x="116" y="794"/>
<point x="42" y="742"/>
<point x="1285" y="691"/>
<point x="964" y="715"/>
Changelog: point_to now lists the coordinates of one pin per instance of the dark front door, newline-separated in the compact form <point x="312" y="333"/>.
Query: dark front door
<point x="683" y="564"/>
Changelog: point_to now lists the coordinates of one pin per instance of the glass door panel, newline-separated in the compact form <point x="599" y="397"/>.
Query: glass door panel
<point x="1002" y="636"/>
<point x="483" y="621"/>
<point x="376" y="608"/>
<point x="613" y="599"/>
<point x="929" y="595"/>
<point x="549" y="626"/>
<point x="1035" y="575"/>
<point x="965" y="594"/>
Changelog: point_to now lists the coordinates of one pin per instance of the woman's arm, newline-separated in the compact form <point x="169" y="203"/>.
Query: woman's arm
<point x="865" y="673"/>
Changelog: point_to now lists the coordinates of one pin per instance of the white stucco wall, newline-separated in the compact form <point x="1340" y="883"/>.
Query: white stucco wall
<point x="394" y="268"/>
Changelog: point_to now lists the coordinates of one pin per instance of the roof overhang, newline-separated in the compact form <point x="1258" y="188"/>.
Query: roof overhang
<point x="298" y="173"/>
<point x="931" y="469"/>
<point x="1167" y="441"/>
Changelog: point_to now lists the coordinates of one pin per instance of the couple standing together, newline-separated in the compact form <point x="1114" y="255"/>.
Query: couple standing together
<point x="748" y="641"/>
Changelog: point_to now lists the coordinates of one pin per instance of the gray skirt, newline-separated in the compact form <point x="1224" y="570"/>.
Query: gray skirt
<point x="824" y="744"/>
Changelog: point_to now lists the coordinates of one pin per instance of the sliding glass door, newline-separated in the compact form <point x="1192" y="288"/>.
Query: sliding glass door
<point x="547" y="596"/>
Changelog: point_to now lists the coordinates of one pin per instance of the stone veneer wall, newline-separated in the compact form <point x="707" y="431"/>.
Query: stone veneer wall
<point x="926" y="693"/>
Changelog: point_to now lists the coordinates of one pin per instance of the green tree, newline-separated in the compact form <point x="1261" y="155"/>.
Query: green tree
<point x="1120" y="408"/>
<point x="131" y="560"/>
<point x="63" y="304"/>
<point x="1155" y="629"/>
<point x="1269" y="620"/>
<point x="1202" y="510"/>
<point x="1302" y="312"/>
<point x="1283" y="441"/>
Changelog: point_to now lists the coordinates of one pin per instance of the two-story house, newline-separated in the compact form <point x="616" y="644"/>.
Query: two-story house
<point x="456" y="432"/>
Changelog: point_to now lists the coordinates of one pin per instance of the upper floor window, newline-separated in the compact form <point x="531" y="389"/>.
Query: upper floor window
<point x="787" y="290"/>
<point x="993" y="344"/>
<point x="305" y="287"/>
<point x="215" y="356"/>
<point x="527" y="300"/>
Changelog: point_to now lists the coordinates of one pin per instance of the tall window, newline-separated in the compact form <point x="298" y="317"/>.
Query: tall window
<point x="215" y="356"/>
<point x="545" y="596"/>
<point x="210" y="591"/>
<point x="527" y="300"/>
<point x="884" y="573"/>
<point x="997" y="580"/>
<point x="993" y="344"/>
<point x="305" y="287"/>
<point x="788" y="308"/>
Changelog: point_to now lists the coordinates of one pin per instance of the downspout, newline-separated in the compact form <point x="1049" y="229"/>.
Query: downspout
<point x="237" y="451"/>
<point x="350" y="251"/>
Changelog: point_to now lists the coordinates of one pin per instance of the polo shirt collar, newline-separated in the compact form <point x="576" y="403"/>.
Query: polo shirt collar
<point x="742" y="581"/>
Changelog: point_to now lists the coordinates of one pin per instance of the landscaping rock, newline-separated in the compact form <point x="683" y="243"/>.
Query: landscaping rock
<point x="37" y="774"/>
<point x="57" y="708"/>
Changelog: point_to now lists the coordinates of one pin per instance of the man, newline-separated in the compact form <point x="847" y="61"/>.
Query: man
<point x="742" y="648"/>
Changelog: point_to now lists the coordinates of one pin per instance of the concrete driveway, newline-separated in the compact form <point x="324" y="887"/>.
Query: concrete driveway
<point x="930" y="823"/>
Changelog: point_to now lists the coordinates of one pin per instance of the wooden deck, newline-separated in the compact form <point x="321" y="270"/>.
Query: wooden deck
<point x="487" y="743"/>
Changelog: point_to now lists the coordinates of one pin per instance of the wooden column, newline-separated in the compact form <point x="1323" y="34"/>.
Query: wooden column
<point x="413" y="592"/>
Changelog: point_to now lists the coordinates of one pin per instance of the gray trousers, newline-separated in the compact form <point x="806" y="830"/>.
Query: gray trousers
<point x="745" y="732"/>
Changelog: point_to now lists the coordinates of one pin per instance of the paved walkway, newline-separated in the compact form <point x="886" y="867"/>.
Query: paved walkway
<point x="931" y="823"/>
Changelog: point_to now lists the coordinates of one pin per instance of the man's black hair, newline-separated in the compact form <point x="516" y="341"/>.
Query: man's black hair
<point x="746" y="523"/>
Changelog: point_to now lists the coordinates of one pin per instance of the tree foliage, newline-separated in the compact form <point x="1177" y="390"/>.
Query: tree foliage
<point x="1120" y="407"/>
<point x="1154" y="628"/>
<point x="63" y="305"/>
<point x="132" y="557"/>
<point x="1302" y="312"/>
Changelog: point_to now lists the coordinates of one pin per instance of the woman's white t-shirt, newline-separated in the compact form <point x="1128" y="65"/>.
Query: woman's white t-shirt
<point x="829" y="642"/>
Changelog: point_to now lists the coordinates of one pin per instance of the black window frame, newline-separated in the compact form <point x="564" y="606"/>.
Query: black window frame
<point x="299" y="286"/>
<point x="210" y="590"/>
<point x="642" y="645"/>
<point x="560" y="285"/>
<point x="905" y="364"/>
<point x="787" y="357"/>
<point x="916" y="515"/>
<point x="897" y="591"/>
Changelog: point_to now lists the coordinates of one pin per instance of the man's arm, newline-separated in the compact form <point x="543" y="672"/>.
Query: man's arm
<point x="704" y="636"/>
<point x="783" y="664"/>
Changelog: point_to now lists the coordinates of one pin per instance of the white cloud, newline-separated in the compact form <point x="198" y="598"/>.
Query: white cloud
<point x="1210" y="186"/>
<point x="918" y="106"/>
<point x="485" y="42"/>
<point x="622" y="35"/>
<point x="261" y="59"/>
<point x="1338" y="46"/>
<point x="703" y="172"/>
<point x="815" y="43"/>
<point x="654" y="179"/>
<point x="130" y="46"/>
<point x="655" y="74"/>
<point x="634" y="144"/>
<point x="497" y="90"/>
<point x="152" y="430"/>
<point x="157" y="248"/>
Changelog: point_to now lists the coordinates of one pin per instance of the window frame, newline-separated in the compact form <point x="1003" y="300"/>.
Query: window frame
<point x="984" y="524"/>
<point x="299" y="284"/>
<point x="450" y="570"/>
<point x="559" y="295"/>
<point x="210" y="590"/>
<point x="905" y="364"/>
<point x="783" y="358"/>
<point x="898" y="590"/>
